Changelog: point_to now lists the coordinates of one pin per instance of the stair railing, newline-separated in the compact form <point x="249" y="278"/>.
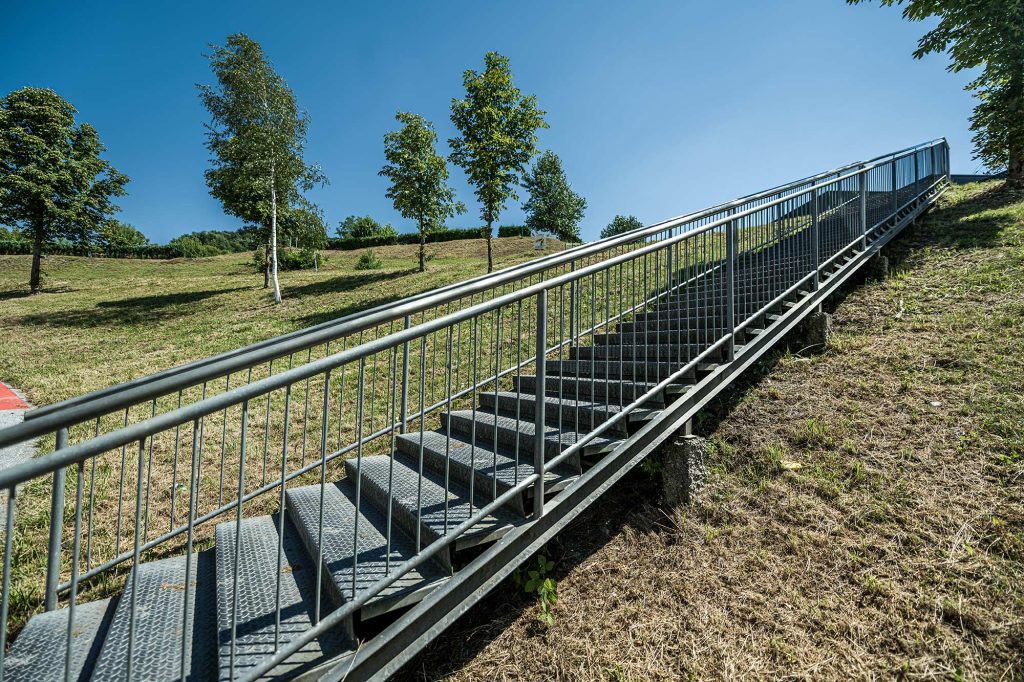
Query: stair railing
<point x="196" y="454"/>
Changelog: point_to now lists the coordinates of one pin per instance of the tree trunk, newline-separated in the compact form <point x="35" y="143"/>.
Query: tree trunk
<point x="37" y="254"/>
<point x="423" y="242"/>
<point x="490" y="257"/>
<point x="1015" y="169"/>
<point x="266" y="266"/>
<point x="273" y="237"/>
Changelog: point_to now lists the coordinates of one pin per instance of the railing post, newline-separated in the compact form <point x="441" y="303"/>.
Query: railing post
<point x="895" y="194"/>
<point x="730" y="274"/>
<point x="917" y="174"/>
<point x="863" y="209"/>
<point x="539" y="395"/>
<point x="405" y="380"/>
<point x="56" y="527"/>
<point x="573" y="322"/>
<point x="815" y="238"/>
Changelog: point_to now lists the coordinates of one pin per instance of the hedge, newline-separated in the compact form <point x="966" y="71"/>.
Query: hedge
<point x="21" y="247"/>
<point x="346" y="244"/>
<point x="514" y="231"/>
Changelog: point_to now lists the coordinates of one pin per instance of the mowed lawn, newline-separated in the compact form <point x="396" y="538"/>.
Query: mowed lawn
<point x="100" y="321"/>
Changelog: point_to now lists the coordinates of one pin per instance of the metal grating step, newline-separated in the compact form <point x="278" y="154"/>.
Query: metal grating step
<point x="603" y="390"/>
<point x="442" y="508"/>
<point x="259" y="588"/>
<point x="38" y="653"/>
<point x="652" y="372"/>
<point x="506" y="430"/>
<point x="563" y="411"/>
<point x="495" y="471"/>
<point x="350" y="567"/>
<point x="162" y="617"/>
<point x="675" y="353"/>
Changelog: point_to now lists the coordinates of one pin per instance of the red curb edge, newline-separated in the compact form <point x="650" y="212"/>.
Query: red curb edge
<point x="9" y="399"/>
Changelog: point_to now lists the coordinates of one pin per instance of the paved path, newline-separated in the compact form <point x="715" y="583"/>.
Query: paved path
<point x="12" y="411"/>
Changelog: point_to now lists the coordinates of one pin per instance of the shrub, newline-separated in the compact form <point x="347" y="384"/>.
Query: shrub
<point x="289" y="259"/>
<point x="514" y="231"/>
<point x="368" y="261"/>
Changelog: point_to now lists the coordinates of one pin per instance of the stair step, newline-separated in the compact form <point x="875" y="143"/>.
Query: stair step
<point x="563" y="411"/>
<point x="653" y="372"/>
<point x="614" y="392"/>
<point x="505" y="430"/>
<point x="161" y="623"/>
<point x="424" y="503"/>
<point x="371" y="561"/>
<point x="38" y="653"/>
<point x="257" y="601"/>
<point x="676" y="353"/>
<point x="494" y="471"/>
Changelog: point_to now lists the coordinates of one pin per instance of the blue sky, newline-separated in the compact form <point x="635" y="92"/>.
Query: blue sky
<point x="656" y="108"/>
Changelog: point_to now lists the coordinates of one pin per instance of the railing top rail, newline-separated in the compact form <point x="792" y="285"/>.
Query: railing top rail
<point x="82" y="451"/>
<point x="104" y="401"/>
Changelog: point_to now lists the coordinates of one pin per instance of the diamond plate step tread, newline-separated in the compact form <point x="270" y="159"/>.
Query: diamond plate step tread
<point x="563" y="410"/>
<point x="603" y="388"/>
<point x="38" y="652"/>
<point x="372" y="560"/>
<point x="257" y="605"/>
<point x="505" y="430"/>
<point x="489" y="467"/>
<point x="160" y="618"/>
<point x="440" y="511"/>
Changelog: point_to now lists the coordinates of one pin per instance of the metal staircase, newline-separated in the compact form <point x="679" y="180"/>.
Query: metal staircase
<point x="443" y="452"/>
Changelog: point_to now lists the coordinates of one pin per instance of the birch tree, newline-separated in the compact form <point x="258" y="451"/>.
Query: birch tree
<point x="256" y="138"/>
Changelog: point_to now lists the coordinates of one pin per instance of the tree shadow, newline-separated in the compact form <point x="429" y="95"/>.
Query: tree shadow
<point x="345" y="283"/>
<point x="140" y="309"/>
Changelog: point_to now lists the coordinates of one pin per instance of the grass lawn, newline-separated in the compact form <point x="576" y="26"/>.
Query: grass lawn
<point x="895" y="550"/>
<point x="101" y="321"/>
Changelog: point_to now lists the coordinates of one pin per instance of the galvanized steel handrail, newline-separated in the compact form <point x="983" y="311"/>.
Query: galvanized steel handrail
<point x="720" y="276"/>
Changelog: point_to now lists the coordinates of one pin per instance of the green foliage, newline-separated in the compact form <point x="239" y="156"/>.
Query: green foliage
<point x="497" y="136"/>
<point x="419" y="177"/>
<point x="53" y="183"/>
<point x="369" y="261"/>
<point x="289" y="259"/>
<point x="620" y="224"/>
<point x="985" y="34"/>
<point x="256" y="139"/>
<point x="514" y="231"/>
<point x="537" y="581"/>
<point x="365" y="227"/>
<point x="552" y="207"/>
<point x="213" y="243"/>
<point x="114" y="234"/>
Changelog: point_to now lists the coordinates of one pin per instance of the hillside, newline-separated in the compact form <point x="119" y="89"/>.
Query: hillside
<point x="895" y="551"/>
<point x="104" y="320"/>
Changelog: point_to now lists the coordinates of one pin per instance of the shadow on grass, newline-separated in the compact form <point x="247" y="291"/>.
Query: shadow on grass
<point x="346" y="283"/>
<point x="129" y="310"/>
<point x="496" y="612"/>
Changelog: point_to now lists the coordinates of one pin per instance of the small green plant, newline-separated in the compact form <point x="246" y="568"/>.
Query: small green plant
<point x="369" y="261"/>
<point x="651" y="466"/>
<point x="538" y="582"/>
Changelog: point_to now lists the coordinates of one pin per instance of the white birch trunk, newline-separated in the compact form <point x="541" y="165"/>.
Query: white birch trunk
<point x="273" y="236"/>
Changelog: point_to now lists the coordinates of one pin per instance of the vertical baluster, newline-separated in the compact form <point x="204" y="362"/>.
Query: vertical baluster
<point x="75" y="549"/>
<point x="324" y="427"/>
<point x="190" y="517"/>
<point x="56" y="527"/>
<point x="538" y="437"/>
<point x="5" y="597"/>
<point x="134" y="577"/>
<point x="280" y="514"/>
<point x="238" y="537"/>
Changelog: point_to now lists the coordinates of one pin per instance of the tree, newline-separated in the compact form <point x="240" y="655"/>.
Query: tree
<point x="364" y="227"/>
<point x="620" y="224"/>
<point x="419" y="177"/>
<point x="553" y="206"/>
<point x="53" y="183"/>
<point x="257" y="139"/>
<point x="498" y="137"/>
<point x="988" y="34"/>
<point x="114" y="234"/>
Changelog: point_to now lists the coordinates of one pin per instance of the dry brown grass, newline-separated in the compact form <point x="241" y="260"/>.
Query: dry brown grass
<point x="896" y="551"/>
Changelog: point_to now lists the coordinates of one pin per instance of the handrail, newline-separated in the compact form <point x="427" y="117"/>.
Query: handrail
<point x="42" y="465"/>
<point x="139" y="390"/>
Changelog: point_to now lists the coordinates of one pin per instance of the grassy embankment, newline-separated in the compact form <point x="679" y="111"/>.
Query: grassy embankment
<point x="896" y="550"/>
